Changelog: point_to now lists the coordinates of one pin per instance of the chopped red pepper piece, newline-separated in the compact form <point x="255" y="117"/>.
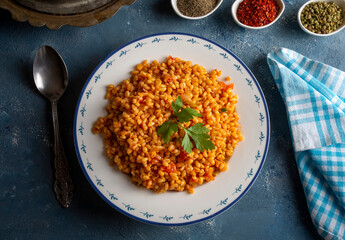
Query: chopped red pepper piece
<point x="170" y="168"/>
<point x="226" y="86"/>
<point x="183" y="155"/>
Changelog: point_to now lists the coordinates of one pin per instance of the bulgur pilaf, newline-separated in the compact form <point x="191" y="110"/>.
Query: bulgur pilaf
<point x="142" y="103"/>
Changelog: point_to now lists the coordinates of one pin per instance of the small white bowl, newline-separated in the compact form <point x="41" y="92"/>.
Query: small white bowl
<point x="178" y="12"/>
<point x="234" y="15"/>
<point x="340" y="3"/>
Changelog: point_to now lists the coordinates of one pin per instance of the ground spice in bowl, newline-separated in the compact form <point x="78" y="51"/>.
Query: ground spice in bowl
<point x="196" y="8"/>
<point x="257" y="13"/>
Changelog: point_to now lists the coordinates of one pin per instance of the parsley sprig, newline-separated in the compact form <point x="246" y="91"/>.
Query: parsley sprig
<point x="197" y="132"/>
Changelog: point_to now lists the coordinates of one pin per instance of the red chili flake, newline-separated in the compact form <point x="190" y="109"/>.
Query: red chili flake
<point x="169" y="80"/>
<point x="257" y="13"/>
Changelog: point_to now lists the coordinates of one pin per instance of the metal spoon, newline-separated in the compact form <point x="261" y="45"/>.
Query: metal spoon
<point x="51" y="78"/>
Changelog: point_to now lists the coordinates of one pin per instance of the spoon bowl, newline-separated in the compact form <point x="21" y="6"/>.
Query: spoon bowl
<point x="50" y="73"/>
<point x="51" y="79"/>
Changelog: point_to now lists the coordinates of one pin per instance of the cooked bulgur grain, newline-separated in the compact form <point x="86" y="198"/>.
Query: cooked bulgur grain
<point x="139" y="105"/>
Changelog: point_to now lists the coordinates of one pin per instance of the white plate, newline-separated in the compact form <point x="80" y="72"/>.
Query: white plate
<point x="172" y="208"/>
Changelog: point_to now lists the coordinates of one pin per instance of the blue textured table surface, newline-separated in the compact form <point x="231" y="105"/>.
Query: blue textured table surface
<point x="274" y="208"/>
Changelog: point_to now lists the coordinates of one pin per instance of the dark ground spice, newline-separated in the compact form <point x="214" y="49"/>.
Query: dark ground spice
<point x="196" y="8"/>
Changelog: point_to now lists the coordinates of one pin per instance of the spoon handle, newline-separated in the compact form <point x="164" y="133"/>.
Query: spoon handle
<point x="63" y="185"/>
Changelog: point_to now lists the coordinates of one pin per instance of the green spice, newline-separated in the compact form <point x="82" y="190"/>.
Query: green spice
<point x="197" y="132"/>
<point x="322" y="17"/>
<point x="224" y="110"/>
<point x="196" y="8"/>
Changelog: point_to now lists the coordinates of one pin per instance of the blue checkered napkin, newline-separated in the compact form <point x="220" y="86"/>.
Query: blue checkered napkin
<point x="314" y="95"/>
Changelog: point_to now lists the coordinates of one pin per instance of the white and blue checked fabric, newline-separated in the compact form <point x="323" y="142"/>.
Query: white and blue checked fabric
<point x="314" y="95"/>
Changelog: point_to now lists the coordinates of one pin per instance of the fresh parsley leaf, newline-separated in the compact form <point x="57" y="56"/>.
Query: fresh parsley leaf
<point x="198" y="128"/>
<point x="201" y="139"/>
<point x="167" y="129"/>
<point x="203" y="142"/>
<point x="197" y="132"/>
<point x="187" y="114"/>
<point x="177" y="105"/>
<point x="186" y="143"/>
<point x="224" y="110"/>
